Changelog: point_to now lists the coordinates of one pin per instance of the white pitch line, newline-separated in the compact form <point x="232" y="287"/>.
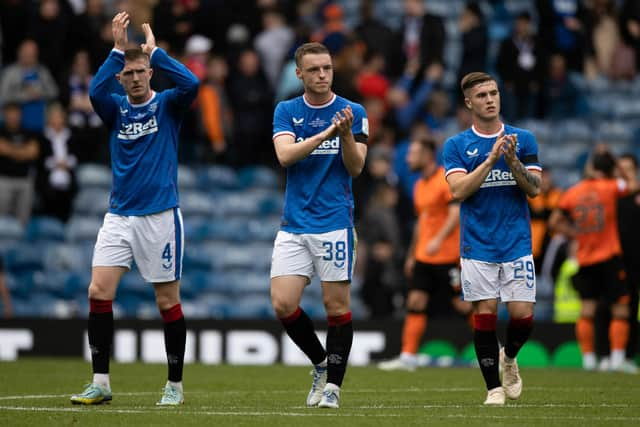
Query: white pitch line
<point x="310" y="413"/>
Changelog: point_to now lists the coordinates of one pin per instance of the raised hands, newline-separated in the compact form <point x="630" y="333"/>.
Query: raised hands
<point x="509" y="148"/>
<point x="119" y="26"/>
<point x="343" y="120"/>
<point x="150" y="42"/>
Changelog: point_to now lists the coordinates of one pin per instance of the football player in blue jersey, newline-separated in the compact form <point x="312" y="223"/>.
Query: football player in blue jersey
<point x="143" y="223"/>
<point x="320" y="138"/>
<point x="492" y="168"/>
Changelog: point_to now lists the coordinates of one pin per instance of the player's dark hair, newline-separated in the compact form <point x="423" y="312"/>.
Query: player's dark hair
<point x="630" y="156"/>
<point x="309" y="48"/>
<point x="474" y="79"/>
<point x="604" y="162"/>
<point x="135" y="54"/>
<point x="427" y="144"/>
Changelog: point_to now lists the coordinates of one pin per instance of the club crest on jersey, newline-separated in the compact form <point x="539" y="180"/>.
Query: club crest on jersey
<point x="133" y="131"/>
<point x="317" y="123"/>
<point x="298" y="122"/>
<point x="153" y="107"/>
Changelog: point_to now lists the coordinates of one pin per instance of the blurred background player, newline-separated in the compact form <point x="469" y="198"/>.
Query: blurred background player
<point x="587" y="212"/>
<point x="434" y="254"/>
<point x="629" y="232"/>
<point x="321" y="139"/>
<point x="144" y="223"/>
<point x="492" y="168"/>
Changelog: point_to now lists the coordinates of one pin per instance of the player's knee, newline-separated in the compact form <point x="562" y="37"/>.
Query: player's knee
<point x="335" y="307"/>
<point x="99" y="291"/>
<point x="282" y="306"/>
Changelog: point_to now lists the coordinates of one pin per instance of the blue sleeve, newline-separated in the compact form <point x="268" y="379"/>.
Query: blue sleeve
<point x="101" y="88"/>
<point x="529" y="152"/>
<point x="186" y="90"/>
<point x="282" y="120"/>
<point x="451" y="157"/>
<point x="360" y="126"/>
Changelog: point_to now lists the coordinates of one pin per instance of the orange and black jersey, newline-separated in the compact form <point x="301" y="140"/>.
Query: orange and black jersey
<point x="592" y="206"/>
<point x="432" y="198"/>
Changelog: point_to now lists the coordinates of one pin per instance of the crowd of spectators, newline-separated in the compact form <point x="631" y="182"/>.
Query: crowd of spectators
<point x="243" y="54"/>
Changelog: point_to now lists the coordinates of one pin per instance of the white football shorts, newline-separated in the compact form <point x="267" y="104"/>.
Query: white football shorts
<point x="331" y="255"/>
<point x="508" y="281"/>
<point x="155" y="242"/>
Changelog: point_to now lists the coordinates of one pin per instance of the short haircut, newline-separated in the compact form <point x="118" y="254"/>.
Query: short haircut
<point x="309" y="48"/>
<point x="135" y="54"/>
<point x="427" y="144"/>
<point x="604" y="162"/>
<point x="474" y="79"/>
<point x="630" y="156"/>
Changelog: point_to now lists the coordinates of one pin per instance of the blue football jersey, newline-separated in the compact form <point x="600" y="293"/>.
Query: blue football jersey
<point x="318" y="195"/>
<point x="494" y="221"/>
<point x="143" y="137"/>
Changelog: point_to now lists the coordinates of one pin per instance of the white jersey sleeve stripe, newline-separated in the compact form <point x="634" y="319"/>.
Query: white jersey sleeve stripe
<point x="284" y="132"/>
<point x="534" y="167"/>
<point x="454" y="170"/>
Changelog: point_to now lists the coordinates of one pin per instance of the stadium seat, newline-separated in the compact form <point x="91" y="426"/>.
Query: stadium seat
<point x="133" y="284"/>
<point x="231" y="230"/>
<point x="197" y="203"/>
<point x="187" y="178"/>
<point x="254" y="257"/>
<point x="271" y="203"/>
<point x="237" y="204"/>
<point x="94" y="176"/>
<point x="216" y="303"/>
<point x="252" y="307"/>
<point x="572" y="130"/>
<point x="82" y="229"/>
<point x="242" y="283"/>
<point x="217" y="177"/>
<point x="21" y="283"/>
<point x="259" y="177"/>
<point x="92" y="202"/>
<point x="25" y="257"/>
<point x="11" y="230"/>
<point x="44" y="228"/>
<point x="67" y="257"/>
<point x="196" y="310"/>
<point x="264" y="229"/>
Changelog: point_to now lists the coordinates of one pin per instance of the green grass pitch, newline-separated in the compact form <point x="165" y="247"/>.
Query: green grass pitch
<point x="35" y="392"/>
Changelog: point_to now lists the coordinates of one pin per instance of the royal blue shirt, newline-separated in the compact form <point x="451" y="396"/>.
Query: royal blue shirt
<point x="318" y="196"/>
<point x="495" y="225"/>
<point x="143" y="137"/>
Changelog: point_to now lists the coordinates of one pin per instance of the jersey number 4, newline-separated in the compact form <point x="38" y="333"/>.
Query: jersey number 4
<point x="167" y="257"/>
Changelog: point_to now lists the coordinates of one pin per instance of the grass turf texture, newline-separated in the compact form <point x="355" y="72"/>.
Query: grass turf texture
<point x="35" y="392"/>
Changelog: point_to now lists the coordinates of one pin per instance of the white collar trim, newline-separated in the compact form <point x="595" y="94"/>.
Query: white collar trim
<point x="484" y="135"/>
<point x="153" y="95"/>
<point x="326" y="104"/>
